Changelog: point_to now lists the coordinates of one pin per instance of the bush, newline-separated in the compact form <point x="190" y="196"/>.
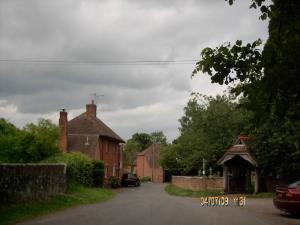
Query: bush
<point x="145" y="179"/>
<point x="114" y="182"/>
<point x="79" y="167"/>
<point x="31" y="144"/>
<point x="98" y="173"/>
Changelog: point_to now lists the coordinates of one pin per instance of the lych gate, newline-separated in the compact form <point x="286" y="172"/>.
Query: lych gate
<point x="240" y="169"/>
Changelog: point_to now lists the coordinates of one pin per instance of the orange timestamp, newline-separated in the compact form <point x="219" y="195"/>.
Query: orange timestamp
<point x="222" y="201"/>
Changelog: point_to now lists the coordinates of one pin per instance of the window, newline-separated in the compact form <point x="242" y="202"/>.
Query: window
<point x="106" y="172"/>
<point x="114" y="170"/>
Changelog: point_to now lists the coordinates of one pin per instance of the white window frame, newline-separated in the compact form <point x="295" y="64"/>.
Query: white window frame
<point x="114" y="170"/>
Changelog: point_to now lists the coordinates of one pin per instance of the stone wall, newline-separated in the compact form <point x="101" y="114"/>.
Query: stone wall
<point x="27" y="182"/>
<point x="198" y="183"/>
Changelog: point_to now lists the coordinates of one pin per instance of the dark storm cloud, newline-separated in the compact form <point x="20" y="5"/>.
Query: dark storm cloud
<point x="112" y="30"/>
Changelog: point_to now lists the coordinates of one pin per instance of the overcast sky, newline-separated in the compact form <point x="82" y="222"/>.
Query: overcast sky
<point x="137" y="98"/>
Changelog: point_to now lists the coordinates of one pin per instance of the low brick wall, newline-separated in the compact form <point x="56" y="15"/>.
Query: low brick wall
<point x="27" y="182"/>
<point x="198" y="183"/>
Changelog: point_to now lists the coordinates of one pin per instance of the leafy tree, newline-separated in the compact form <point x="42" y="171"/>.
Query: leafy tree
<point x="207" y="129"/>
<point x="143" y="140"/>
<point x="32" y="144"/>
<point x="139" y="142"/>
<point x="158" y="137"/>
<point x="270" y="81"/>
<point x="7" y="128"/>
<point x="172" y="159"/>
<point x="130" y="151"/>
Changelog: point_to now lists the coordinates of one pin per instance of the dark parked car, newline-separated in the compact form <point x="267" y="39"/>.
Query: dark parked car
<point x="130" y="179"/>
<point x="288" y="198"/>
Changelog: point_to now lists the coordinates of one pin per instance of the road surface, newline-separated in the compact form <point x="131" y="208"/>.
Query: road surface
<point x="150" y="205"/>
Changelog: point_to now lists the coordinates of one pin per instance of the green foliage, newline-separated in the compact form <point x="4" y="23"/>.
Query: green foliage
<point x="277" y="149"/>
<point x="7" y="128"/>
<point x="139" y="142"/>
<point x="130" y="150"/>
<point x="98" y="173"/>
<point x="208" y="128"/>
<point x="32" y="144"/>
<point x="77" y="195"/>
<point x="177" y="191"/>
<point x="271" y="83"/>
<point x="171" y="158"/>
<point x="266" y="10"/>
<point x="114" y="181"/>
<point x="143" y="140"/>
<point x="158" y="137"/>
<point x="79" y="167"/>
<point x="227" y="63"/>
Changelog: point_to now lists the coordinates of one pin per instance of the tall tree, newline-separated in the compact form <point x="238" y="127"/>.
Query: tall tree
<point x="143" y="140"/>
<point x="270" y="82"/>
<point x="139" y="142"/>
<point x="158" y="137"/>
<point x="207" y="129"/>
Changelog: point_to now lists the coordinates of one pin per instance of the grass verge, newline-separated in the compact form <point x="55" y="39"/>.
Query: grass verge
<point x="173" y="190"/>
<point x="262" y="195"/>
<point x="77" y="195"/>
<point x="177" y="191"/>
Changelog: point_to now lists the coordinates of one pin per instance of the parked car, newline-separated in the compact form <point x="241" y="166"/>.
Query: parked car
<point x="130" y="179"/>
<point x="288" y="198"/>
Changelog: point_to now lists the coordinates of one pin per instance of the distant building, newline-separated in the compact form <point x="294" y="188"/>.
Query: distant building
<point x="88" y="134"/>
<point x="148" y="164"/>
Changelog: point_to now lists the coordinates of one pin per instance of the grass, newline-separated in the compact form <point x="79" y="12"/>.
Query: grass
<point x="77" y="195"/>
<point x="177" y="191"/>
<point x="262" y="195"/>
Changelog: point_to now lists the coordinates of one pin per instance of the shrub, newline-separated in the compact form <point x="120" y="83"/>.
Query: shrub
<point x="114" y="182"/>
<point x="79" y="167"/>
<point x="31" y="144"/>
<point x="98" y="173"/>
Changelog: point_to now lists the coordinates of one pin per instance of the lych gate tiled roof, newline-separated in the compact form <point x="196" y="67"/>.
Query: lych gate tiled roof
<point x="85" y="124"/>
<point x="238" y="149"/>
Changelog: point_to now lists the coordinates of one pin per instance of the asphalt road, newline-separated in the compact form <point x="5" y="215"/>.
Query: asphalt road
<point x="150" y="205"/>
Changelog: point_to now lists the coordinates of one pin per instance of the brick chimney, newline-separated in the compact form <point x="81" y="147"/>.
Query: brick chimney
<point x="63" y="129"/>
<point x="91" y="109"/>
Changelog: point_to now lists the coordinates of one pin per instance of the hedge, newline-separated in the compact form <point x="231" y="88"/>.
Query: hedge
<point x="80" y="168"/>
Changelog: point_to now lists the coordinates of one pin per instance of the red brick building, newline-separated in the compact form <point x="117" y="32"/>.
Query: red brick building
<point x="148" y="164"/>
<point x="88" y="134"/>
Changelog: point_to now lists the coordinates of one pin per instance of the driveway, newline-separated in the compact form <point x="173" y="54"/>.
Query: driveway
<point x="150" y="205"/>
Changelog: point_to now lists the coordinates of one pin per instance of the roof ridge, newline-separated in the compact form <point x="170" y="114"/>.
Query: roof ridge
<point x="97" y="126"/>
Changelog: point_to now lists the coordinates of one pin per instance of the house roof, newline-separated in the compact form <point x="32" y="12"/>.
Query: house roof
<point x="85" y="124"/>
<point x="238" y="149"/>
<point x="155" y="147"/>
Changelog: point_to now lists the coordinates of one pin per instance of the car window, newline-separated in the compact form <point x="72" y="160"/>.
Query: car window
<point x="296" y="184"/>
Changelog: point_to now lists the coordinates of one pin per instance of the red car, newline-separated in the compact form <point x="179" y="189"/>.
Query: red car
<point x="288" y="198"/>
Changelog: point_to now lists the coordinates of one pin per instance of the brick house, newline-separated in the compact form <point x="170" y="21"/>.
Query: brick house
<point x="148" y="164"/>
<point x="88" y="134"/>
